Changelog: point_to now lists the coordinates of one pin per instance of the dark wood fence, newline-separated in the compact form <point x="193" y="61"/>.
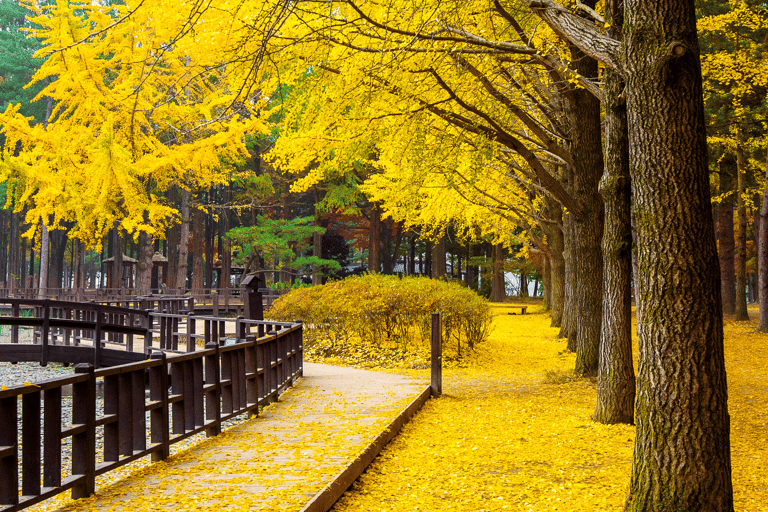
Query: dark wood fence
<point x="148" y="406"/>
<point x="65" y="332"/>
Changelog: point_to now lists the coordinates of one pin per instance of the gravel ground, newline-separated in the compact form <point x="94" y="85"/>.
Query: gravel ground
<point x="19" y="373"/>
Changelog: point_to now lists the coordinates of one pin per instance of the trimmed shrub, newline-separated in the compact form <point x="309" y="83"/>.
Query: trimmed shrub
<point x="388" y="312"/>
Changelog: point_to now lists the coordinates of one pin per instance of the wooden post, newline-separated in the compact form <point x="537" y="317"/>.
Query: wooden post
<point x="158" y="417"/>
<point x="437" y="356"/>
<point x="97" y="338"/>
<point x="191" y="325"/>
<point x="30" y="441"/>
<point x="84" y="443"/>
<point x="44" y="335"/>
<point x="9" y="466"/>
<point x="213" y="393"/>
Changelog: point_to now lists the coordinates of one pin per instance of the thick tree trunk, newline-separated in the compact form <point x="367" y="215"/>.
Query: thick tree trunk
<point x="79" y="283"/>
<point x="498" y="284"/>
<point x="523" y="291"/>
<point x="374" y="240"/>
<point x="42" y="287"/>
<point x="144" y="266"/>
<point x="546" y="283"/>
<point x="181" y="267"/>
<point x="587" y="152"/>
<point x="198" y="250"/>
<point x="682" y="444"/>
<point x="473" y="271"/>
<point x="726" y="236"/>
<point x="556" y="243"/>
<point x="762" y="259"/>
<point x="209" y="251"/>
<point x="616" y="374"/>
<point x="568" y="325"/>
<point x="741" y="246"/>
<point x="726" y="250"/>
<point x="225" y="250"/>
<point x="58" y="250"/>
<point x="438" y="258"/>
<point x="117" y="264"/>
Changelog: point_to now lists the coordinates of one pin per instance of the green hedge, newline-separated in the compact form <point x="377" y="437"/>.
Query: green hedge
<point x="388" y="311"/>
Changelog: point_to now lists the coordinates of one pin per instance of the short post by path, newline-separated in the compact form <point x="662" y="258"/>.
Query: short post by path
<point x="437" y="356"/>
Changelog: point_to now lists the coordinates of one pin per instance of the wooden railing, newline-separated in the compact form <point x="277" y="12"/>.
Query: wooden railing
<point x="202" y="295"/>
<point x="62" y="327"/>
<point x="227" y="378"/>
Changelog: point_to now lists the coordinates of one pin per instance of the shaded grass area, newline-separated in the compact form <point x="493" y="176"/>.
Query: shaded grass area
<point x="513" y="432"/>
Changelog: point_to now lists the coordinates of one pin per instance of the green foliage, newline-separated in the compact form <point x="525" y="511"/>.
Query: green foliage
<point x="16" y="62"/>
<point x="279" y="241"/>
<point x="389" y="312"/>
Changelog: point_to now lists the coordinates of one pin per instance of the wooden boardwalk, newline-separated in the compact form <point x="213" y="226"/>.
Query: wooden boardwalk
<point x="295" y="456"/>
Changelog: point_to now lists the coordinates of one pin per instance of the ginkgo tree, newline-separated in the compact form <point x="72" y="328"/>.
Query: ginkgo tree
<point x="136" y="110"/>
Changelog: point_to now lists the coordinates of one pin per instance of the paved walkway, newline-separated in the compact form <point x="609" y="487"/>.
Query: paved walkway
<point x="278" y="461"/>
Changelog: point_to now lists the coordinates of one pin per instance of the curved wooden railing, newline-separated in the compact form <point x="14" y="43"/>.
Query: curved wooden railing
<point x="243" y="365"/>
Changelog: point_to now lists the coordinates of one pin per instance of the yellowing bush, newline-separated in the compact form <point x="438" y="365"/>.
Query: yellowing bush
<point x="388" y="311"/>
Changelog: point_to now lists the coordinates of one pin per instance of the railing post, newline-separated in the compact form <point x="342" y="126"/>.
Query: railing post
<point x="97" y="338"/>
<point x="84" y="443"/>
<point x="15" y="328"/>
<point x="213" y="393"/>
<point x="52" y="437"/>
<point x="30" y="441"/>
<point x="191" y="328"/>
<point x="272" y="383"/>
<point x="9" y="465"/>
<point x="252" y="370"/>
<point x="240" y="328"/>
<point x="44" y="334"/>
<point x="437" y="356"/>
<point x="158" y="417"/>
<point x="148" y="332"/>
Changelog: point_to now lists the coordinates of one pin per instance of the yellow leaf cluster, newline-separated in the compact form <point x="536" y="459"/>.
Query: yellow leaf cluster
<point x="135" y="108"/>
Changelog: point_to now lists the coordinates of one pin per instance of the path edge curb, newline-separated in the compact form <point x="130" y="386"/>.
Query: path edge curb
<point x="326" y="498"/>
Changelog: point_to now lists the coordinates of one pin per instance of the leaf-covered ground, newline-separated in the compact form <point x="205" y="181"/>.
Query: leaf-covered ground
<point x="513" y="432"/>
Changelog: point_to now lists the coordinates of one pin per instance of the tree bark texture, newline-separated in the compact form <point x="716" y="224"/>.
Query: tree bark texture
<point x="144" y="265"/>
<point x="568" y="327"/>
<point x="79" y="270"/>
<point x="181" y="268"/>
<point x="741" y="245"/>
<point x="726" y="249"/>
<point x="556" y="243"/>
<point x="587" y="153"/>
<point x="725" y="233"/>
<point x="616" y="374"/>
<point x="762" y="259"/>
<point x="42" y="288"/>
<point x="546" y="283"/>
<point x="374" y="240"/>
<point x="58" y="243"/>
<point x="198" y="248"/>
<point x="438" y="258"/>
<point x="498" y="292"/>
<point x="682" y="444"/>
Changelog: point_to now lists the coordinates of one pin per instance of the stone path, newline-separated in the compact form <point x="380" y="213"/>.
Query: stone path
<point x="283" y="460"/>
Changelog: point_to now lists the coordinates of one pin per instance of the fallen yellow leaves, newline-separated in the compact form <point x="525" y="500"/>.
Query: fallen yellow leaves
<point x="512" y="432"/>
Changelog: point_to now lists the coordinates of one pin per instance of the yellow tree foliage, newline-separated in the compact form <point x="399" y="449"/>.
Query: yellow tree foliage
<point x="135" y="109"/>
<point x="430" y="106"/>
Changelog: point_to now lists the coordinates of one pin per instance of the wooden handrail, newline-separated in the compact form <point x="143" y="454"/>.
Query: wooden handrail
<point x="208" y="387"/>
